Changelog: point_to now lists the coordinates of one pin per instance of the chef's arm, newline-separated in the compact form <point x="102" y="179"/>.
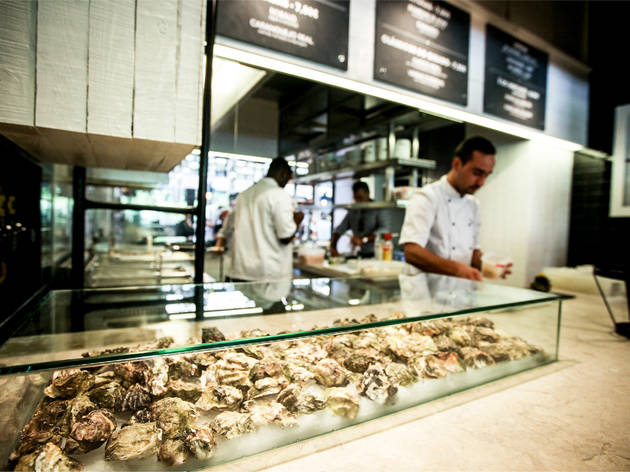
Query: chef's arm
<point x="425" y="260"/>
<point x="298" y="216"/>
<point x="476" y="259"/>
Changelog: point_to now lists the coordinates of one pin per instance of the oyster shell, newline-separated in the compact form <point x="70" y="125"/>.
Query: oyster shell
<point x="182" y="369"/>
<point x="173" y="416"/>
<point x="135" y="441"/>
<point x="375" y="384"/>
<point x="93" y="429"/>
<point x="460" y="335"/>
<point x="220" y="397"/>
<point x="76" y="408"/>
<point x="200" y="442"/>
<point x="359" y="362"/>
<point x="173" y="452"/>
<point x="108" y="395"/>
<point x="231" y="424"/>
<point x="400" y="374"/>
<point x="297" y="373"/>
<point x="136" y="398"/>
<point x="267" y="386"/>
<point x="49" y="459"/>
<point x="444" y="343"/>
<point x="270" y="413"/>
<point x="141" y="416"/>
<point x="131" y="373"/>
<point x="185" y="390"/>
<point x="211" y="334"/>
<point x="483" y="333"/>
<point x="473" y="357"/>
<point x="233" y="369"/>
<point x="343" y="401"/>
<point x="267" y="367"/>
<point x="329" y="373"/>
<point x="303" y="400"/>
<point x="157" y="378"/>
<point x="69" y="383"/>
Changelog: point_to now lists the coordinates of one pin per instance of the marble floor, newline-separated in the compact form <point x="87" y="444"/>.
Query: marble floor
<point x="573" y="415"/>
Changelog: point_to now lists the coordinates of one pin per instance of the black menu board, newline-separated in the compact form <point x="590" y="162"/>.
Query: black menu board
<point x="316" y="30"/>
<point x="423" y="45"/>
<point x="516" y="79"/>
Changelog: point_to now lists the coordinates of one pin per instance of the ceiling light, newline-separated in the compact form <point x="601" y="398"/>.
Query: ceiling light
<point x="424" y="104"/>
<point x="252" y="158"/>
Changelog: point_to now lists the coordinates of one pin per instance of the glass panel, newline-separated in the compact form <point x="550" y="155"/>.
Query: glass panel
<point x="68" y="324"/>
<point x="247" y="399"/>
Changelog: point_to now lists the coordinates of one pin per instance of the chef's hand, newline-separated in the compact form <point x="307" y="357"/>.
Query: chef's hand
<point x="298" y="216"/>
<point x="506" y="271"/>
<point x="467" y="272"/>
<point x="356" y="241"/>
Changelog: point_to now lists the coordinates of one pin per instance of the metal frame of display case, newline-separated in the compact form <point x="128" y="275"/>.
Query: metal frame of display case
<point x="82" y="204"/>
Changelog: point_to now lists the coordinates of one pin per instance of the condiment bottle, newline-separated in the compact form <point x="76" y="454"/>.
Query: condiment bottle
<point x="388" y="247"/>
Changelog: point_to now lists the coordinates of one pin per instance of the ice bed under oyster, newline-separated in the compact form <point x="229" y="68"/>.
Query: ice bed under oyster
<point x="178" y="411"/>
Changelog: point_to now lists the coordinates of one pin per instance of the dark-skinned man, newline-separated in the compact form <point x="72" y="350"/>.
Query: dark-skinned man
<point x="262" y="226"/>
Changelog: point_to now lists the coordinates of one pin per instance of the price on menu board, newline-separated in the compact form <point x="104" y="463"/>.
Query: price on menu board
<point x="515" y="80"/>
<point x="423" y="45"/>
<point x="316" y="30"/>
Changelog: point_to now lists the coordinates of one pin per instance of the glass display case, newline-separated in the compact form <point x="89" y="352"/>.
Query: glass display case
<point x="184" y="377"/>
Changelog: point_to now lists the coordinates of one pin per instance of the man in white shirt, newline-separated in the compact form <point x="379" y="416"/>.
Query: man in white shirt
<point x="441" y="228"/>
<point x="262" y="226"/>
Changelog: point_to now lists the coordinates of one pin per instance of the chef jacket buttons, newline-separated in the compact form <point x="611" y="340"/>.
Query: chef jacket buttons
<point x="453" y="248"/>
<point x="453" y="223"/>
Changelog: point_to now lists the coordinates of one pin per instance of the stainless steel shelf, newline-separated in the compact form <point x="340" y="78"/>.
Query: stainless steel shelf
<point x="372" y="167"/>
<point x="358" y="206"/>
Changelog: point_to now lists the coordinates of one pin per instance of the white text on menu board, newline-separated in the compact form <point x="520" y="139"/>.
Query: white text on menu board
<point x="285" y="12"/>
<point x="426" y="67"/>
<point x="519" y="98"/>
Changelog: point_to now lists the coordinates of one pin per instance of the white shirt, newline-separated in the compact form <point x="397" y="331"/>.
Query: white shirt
<point x="262" y="215"/>
<point x="439" y="219"/>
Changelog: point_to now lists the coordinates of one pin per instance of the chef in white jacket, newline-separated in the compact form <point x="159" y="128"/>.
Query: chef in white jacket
<point x="440" y="232"/>
<point x="261" y="227"/>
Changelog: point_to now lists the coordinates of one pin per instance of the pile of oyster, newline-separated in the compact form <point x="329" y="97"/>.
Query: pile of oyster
<point x="180" y="408"/>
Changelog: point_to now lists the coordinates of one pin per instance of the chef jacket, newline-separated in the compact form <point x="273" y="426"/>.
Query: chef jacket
<point x="262" y="215"/>
<point x="362" y="222"/>
<point x="439" y="219"/>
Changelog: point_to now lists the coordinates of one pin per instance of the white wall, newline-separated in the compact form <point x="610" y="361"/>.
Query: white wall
<point x="525" y="208"/>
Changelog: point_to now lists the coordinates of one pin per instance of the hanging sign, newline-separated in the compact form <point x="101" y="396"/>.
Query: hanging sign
<point x="423" y="45"/>
<point x="316" y="30"/>
<point x="515" y="80"/>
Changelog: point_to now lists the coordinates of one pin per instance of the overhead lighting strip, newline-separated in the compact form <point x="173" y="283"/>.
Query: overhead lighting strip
<point x="423" y="104"/>
<point x="252" y="158"/>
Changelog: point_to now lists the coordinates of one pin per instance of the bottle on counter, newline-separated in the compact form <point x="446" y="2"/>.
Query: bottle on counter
<point x="388" y="247"/>
<point x="378" y="247"/>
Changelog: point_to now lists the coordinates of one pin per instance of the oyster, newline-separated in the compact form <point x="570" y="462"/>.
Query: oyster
<point x="482" y="333"/>
<point x="231" y="424"/>
<point x="221" y="397"/>
<point x="460" y="336"/>
<point x="131" y="373"/>
<point x="158" y="378"/>
<point x="439" y="365"/>
<point x="136" y="398"/>
<point x="173" y="416"/>
<point x="135" y="441"/>
<point x="375" y="384"/>
<point x="329" y="373"/>
<point x="106" y="352"/>
<point x="270" y="413"/>
<point x="297" y="373"/>
<point x="200" y="442"/>
<point x="69" y="383"/>
<point x="173" y="452"/>
<point x="93" y="429"/>
<point x="267" y="367"/>
<point x="43" y="427"/>
<point x="257" y="352"/>
<point x="267" y="386"/>
<point x="400" y="374"/>
<point x="305" y="354"/>
<point x="185" y="390"/>
<point x="141" y="416"/>
<point x="182" y="369"/>
<point x="103" y="377"/>
<point x="109" y="395"/>
<point x="211" y="334"/>
<point x="49" y="459"/>
<point x="233" y="369"/>
<point x="360" y="361"/>
<point x="302" y="400"/>
<point x="473" y="357"/>
<point x="343" y="401"/>
<point x="76" y="408"/>
<point x="444" y="343"/>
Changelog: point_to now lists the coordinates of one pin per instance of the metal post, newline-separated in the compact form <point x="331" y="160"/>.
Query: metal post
<point x="389" y="183"/>
<point x="391" y="141"/>
<point x="200" y="232"/>
<point x="415" y="144"/>
<point x="78" y="227"/>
